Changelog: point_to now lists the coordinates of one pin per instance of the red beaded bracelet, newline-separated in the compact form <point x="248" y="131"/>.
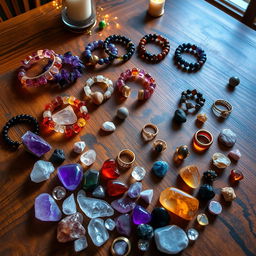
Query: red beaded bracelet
<point x="42" y="79"/>
<point x="136" y="74"/>
<point x="69" y="120"/>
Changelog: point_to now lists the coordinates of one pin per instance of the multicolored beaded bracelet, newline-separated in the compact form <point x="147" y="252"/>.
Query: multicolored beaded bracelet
<point x="129" y="46"/>
<point x="153" y="38"/>
<point x="194" y="50"/>
<point x="48" y="74"/>
<point x="76" y="112"/>
<point x="136" y="74"/>
<point x="98" y="97"/>
<point x="94" y="59"/>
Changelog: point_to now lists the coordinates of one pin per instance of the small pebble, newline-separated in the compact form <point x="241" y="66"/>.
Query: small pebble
<point x="145" y="231"/>
<point x="227" y="137"/>
<point x="235" y="154"/>
<point x="80" y="244"/>
<point x="202" y="219"/>
<point x="220" y="160"/>
<point x="147" y="195"/>
<point x="138" y="173"/>
<point x="160" y="217"/>
<point x="160" y="168"/>
<point x="210" y="175"/>
<point x="202" y="117"/>
<point x="192" y="234"/>
<point x="108" y="127"/>
<point x="234" y="81"/>
<point x="79" y="147"/>
<point x="109" y="224"/>
<point x="58" y="156"/>
<point x="180" y="116"/>
<point x="215" y="207"/>
<point x="122" y="113"/>
<point x="206" y="192"/>
<point x="143" y="245"/>
<point x="228" y="194"/>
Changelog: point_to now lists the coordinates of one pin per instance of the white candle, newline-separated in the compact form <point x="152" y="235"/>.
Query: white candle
<point x="79" y="10"/>
<point x="156" y="7"/>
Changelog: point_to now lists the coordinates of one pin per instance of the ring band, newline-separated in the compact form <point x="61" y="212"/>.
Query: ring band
<point x="147" y="136"/>
<point x="124" y="239"/>
<point x="160" y="145"/>
<point x="220" y="112"/>
<point x="204" y="144"/>
<point x="123" y="163"/>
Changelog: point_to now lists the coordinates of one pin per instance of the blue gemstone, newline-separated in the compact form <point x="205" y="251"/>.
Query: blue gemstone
<point x="101" y="61"/>
<point x="160" y="168"/>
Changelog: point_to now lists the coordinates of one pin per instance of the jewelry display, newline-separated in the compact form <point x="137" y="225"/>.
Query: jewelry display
<point x="20" y="119"/>
<point x="98" y="97"/>
<point x="202" y="140"/>
<point x="129" y="158"/>
<point x="182" y="152"/>
<point x="159" y="40"/>
<point x="140" y="75"/>
<point x="159" y="146"/>
<point x="123" y="40"/>
<point x="220" y="112"/>
<point x="191" y="49"/>
<point x="148" y="135"/>
<point x="47" y="75"/>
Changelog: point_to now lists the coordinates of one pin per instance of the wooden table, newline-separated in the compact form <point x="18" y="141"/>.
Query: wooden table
<point x="230" y="48"/>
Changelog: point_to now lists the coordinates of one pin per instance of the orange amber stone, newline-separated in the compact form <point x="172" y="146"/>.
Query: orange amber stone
<point x="190" y="175"/>
<point x="179" y="202"/>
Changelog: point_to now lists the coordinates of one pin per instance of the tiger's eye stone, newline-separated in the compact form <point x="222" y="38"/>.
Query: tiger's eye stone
<point x="179" y="202"/>
<point x="190" y="175"/>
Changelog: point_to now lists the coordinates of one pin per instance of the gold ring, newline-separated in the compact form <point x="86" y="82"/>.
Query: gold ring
<point x="129" y="154"/>
<point x="124" y="239"/>
<point x="219" y="112"/>
<point x="160" y="145"/>
<point x="147" y="135"/>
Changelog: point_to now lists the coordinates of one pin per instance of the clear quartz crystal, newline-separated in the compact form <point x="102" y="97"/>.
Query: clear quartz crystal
<point x="138" y="173"/>
<point x="59" y="193"/>
<point x="192" y="234"/>
<point x="110" y="224"/>
<point x="88" y="158"/>
<point x="143" y="245"/>
<point x="80" y="244"/>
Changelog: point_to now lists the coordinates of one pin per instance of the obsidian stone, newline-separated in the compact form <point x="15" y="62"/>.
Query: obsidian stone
<point x="58" y="156"/>
<point x="210" y="175"/>
<point x="180" y="116"/>
<point x="206" y="192"/>
<point x="145" y="232"/>
<point x="160" y="217"/>
<point x="234" y="81"/>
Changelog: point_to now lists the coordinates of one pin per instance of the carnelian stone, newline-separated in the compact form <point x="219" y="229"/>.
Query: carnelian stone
<point x="109" y="170"/>
<point x="116" y="188"/>
<point x="236" y="175"/>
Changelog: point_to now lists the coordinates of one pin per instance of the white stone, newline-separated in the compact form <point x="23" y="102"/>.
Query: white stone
<point x="47" y="113"/>
<point x="65" y="116"/>
<point x="147" y="195"/>
<point x="41" y="171"/>
<point x="87" y="91"/>
<point x="99" y="192"/>
<point x="192" y="234"/>
<point x="69" y="205"/>
<point x="99" y="78"/>
<point x="110" y="224"/>
<point x="90" y="82"/>
<point x="84" y="109"/>
<point x="80" y="244"/>
<point x="88" y="158"/>
<point x="220" y="160"/>
<point x="107" y="95"/>
<point x="138" y="173"/>
<point x="108" y="127"/>
<point x="98" y="232"/>
<point x="171" y="239"/>
<point x="59" y="128"/>
<point x="94" y="208"/>
<point x="79" y="147"/>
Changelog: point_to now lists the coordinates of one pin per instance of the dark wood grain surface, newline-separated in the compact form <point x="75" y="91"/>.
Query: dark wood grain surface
<point x="231" y="50"/>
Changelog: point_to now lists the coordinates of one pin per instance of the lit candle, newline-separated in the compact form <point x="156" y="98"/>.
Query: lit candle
<point x="79" y="10"/>
<point x="156" y="7"/>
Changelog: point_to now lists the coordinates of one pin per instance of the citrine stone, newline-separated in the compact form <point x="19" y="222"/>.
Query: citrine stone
<point x="179" y="202"/>
<point x="116" y="188"/>
<point x="109" y="170"/>
<point x="91" y="180"/>
<point x="202" y="219"/>
<point x="190" y="175"/>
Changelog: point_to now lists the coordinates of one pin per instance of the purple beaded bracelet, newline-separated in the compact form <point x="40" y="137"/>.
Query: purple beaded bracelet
<point x="94" y="59"/>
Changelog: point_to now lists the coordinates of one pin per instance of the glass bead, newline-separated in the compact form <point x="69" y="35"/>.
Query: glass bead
<point x="65" y="100"/>
<point x="45" y="121"/>
<point x="192" y="234"/>
<point x="51" y="125"/>
<point x="81" y="122"/>
<point x="76" y="102"/>
<point x="236" y="175"/>
<point x="69" y="132"/>
<point x="71" y="100"/>
<point x="135" y="72"/>
<point x="76" y="128"/>
<point x="49" y="106"/>
<point x="59" y="193"/>
<point x="138" y="173"/>
<point x="202" y="219"/>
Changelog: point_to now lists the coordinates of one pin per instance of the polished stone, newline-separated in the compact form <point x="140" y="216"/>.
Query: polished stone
<point x="202" y="219"/>
<point x="138" y="173"/>
<point x="122" y="113"/>
<point x="59" y="193"/>
<point x="147" y="195"/>
<point x="79" y="147"/>
<point x="143" y="245"/>
<point x="160" y="168"/>
<point x="58" y="156"/>
<point x="41" y="171"/>
<point x="235" y="154"/>
<point x="110" y="224"/>
<point x="134" y="190"/>
<point x="80" y="244"/>
<point x="190" y="175"/>
<point x="123" y="205"/>
<point x="159" y="217"/>
<point x="192" y="234"/>
<point x="206" y="192"/>
<point x="116" y="188"/>
<point x="140" y="215"/>
<point x="220" y="160"/>
<point x="99" y="192"/>
<point x="65" y="116"/>
<point x="120" y="248"/>
<point x="145" y="231"/>
<point x="108" y="126"/>
<point x="69" y="205"/>
<point x="91" y="180"/>
<point x="215" y="207"/>
<point x="227" y="137"/>
<point x="123" y="224"/>
<point x="109" y="170"/>
<point x="88" y="157"/>
<point x="236" y="175"/>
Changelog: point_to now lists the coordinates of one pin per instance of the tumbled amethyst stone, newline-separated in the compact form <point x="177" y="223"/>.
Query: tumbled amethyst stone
<point x="135" y="189"/>
<point x="35" y="144"/>
<point x="123" y="224"/>
<point x="123" y="205"/>
<point x="70" y="175"/>
<point x="140" y="215"/>
<point x="46" y="208"/>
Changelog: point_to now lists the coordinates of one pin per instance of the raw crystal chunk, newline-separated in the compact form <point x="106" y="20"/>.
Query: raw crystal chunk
<point x="93" y="208"/>
<point x="109" y="170"/>
<point x="145" y="231"/>
<point x="88" y="158"/>
<point x="35" y="144"/>
<point x="134" y="190"/>
<point x="220" y="160"/>
<point x="91" y="179"/>
<point x="190" y="175"/>
<point x="70" y="175"/>
<point x="110" y="224"/>
<point x="59" y="193"/>
<point x="69" y="205"/>
<point x="206" y="192"/>
<point x="123" y="224"/>
<point x="179" y="202"/>
<point x="65" y="116"/>
<point x="227" y="137"/>
<point x="192" y="234"/>
<point x="138" y="173"/>
<point x="228" y="194"/>
<point x="140" y="215"/>
<point x="116" y="188"/>
<point x="41" y="171"/>
<point x="171" y="239"/>
<point x="79" y="147"/>
<point x="58" y="156"/>
<point x="123" y="205"/>
<point x="80" y="244"/>
<point x="202" y="219"/>
<point x="46" y="208"/>
<point x="147" y="195"/>
<point x="70" y="228"/>
<point x="99" y="192"/>
<point x="160" y="168"/>
<point x="98" y="232"/>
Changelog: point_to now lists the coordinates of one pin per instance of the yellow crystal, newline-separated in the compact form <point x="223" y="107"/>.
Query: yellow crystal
<point x="81" y="122"/>
<point x="179" y="202"/>
<point x="190" y="175"/>
<point x="202" y="219"/>
<point x="71" y="100"/>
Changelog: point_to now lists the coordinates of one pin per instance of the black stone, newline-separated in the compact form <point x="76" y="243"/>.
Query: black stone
<point x="159" y="148"/>
<point x="58" y="157"/>
<point x="145" y="232"/>
<point x="234" y="81"/>
<point x="160" y="217"/>
<point x="210" y="175"/>
<point x="180" y="116"/>
<point x="206" y="192"/>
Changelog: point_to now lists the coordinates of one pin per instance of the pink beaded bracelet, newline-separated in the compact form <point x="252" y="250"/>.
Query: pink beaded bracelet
<point x="42" y="79"/>
<point x="136" y="74"/>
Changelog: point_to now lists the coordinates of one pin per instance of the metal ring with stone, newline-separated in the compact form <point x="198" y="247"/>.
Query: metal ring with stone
<point x="202" y="140"/>
<point x="159" y="145"/>
<point x="220" y="112"/>
<point x="98" y="97"/>
<point x="129" y="157"/>
<point x="148" y="135"/>
<point x="115" y="248"/>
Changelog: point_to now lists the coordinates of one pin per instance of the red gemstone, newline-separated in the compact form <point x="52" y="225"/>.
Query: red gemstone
<point x="76" y="128"/>
<point x="109" y="170"/>
<point x="236" y="175"/>
<point x="116" y="188"/>
<point x="69" y="131"/>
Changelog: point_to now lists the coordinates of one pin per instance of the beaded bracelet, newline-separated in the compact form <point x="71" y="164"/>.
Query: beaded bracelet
<point x="57" y="121"/>
<point x="194" y="50"/>
<point x="129" y="46"/>
<point x="18" y="120"/>
<point x="98" y="97"/>
<point x="139" y="74"/>
<point x="158" y="39"/>
<point x="94" y="59"/>
<point x="48" y="74"/>
<point x="188" y="95"/>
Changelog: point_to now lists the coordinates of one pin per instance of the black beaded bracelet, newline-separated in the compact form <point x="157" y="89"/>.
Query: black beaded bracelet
<point x="123" y="40"/>
<point x="191" y="49"/>
<point x="153" y="38"/>
<point x="17" y="120"/>
<point x="187" y="96"/>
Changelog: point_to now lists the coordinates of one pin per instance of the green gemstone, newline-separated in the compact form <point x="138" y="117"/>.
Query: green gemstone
<point x="102" y="24"/>
<point x="91" y="180"/>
